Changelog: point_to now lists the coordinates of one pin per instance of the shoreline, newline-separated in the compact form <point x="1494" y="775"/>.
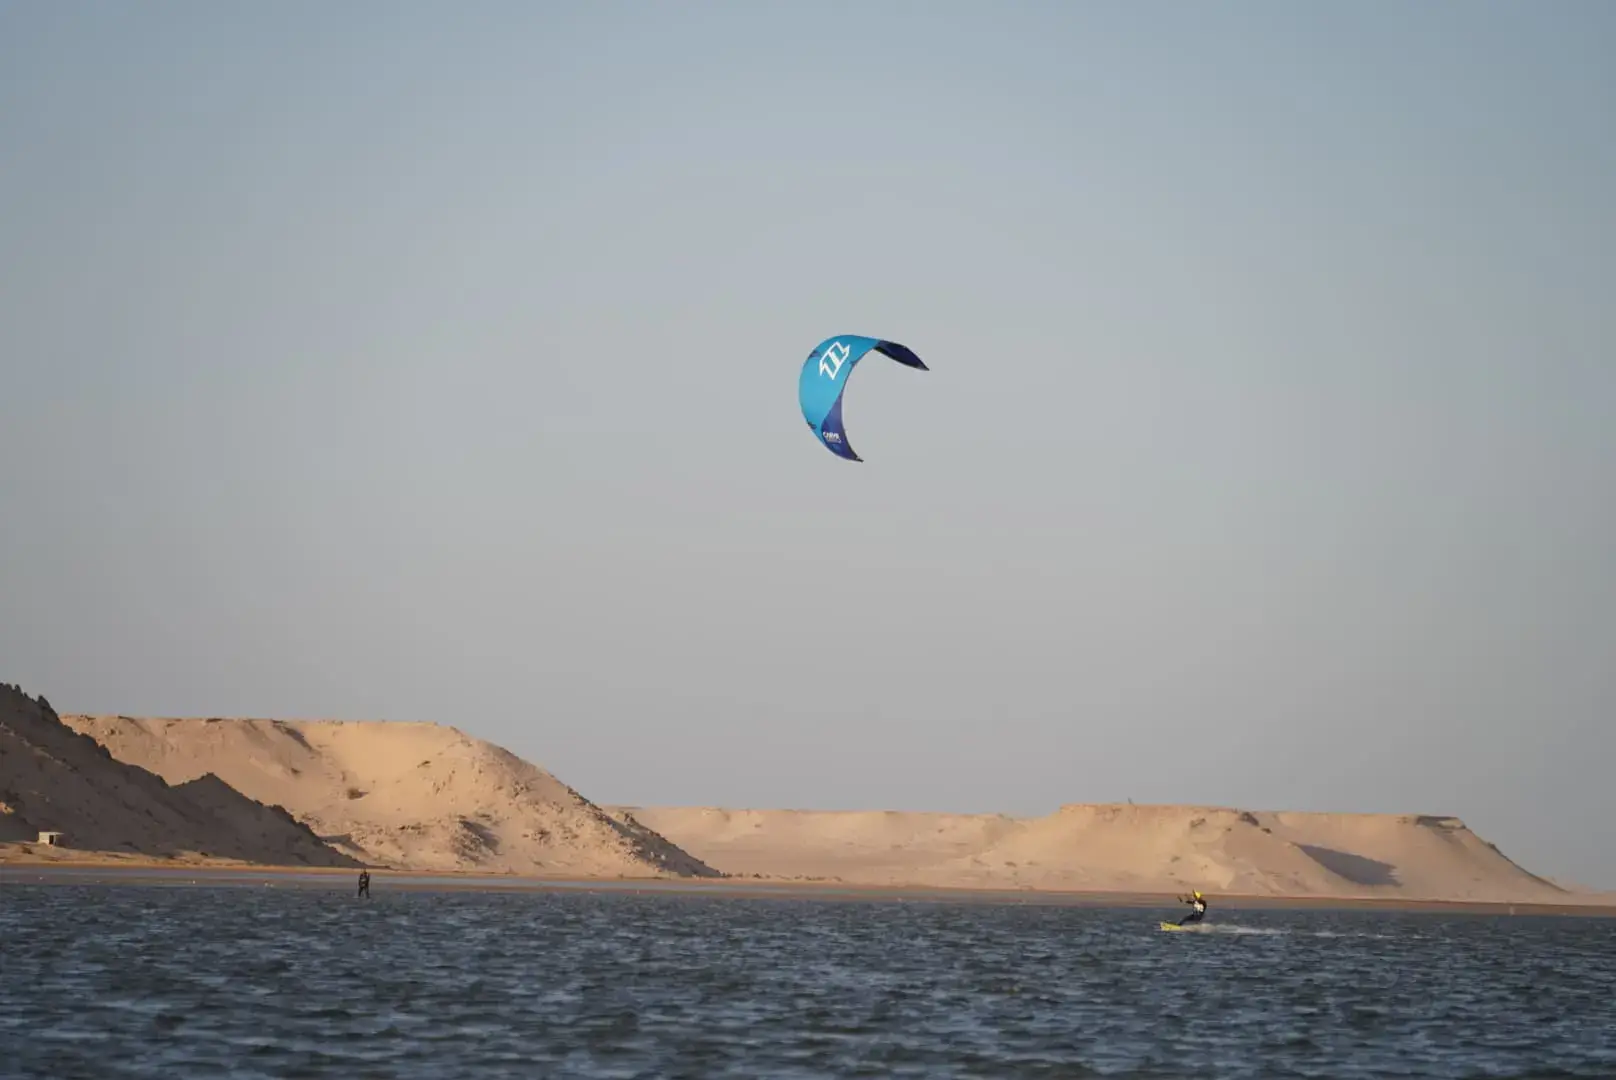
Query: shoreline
<point x="137" y="870"/>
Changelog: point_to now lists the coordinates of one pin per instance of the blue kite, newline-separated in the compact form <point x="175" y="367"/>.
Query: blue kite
<point x="824" y="378"/>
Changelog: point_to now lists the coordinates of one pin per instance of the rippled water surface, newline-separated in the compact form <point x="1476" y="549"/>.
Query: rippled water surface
<point x="151" y="981"/>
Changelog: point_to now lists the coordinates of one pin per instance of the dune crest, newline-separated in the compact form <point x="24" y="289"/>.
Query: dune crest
<point x="52" y="777"/>
<point x="1114" y="847"/>
<point x="408" y="796"/>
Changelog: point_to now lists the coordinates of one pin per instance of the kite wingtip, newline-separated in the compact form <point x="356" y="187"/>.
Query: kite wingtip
<point x="903" y="354"/>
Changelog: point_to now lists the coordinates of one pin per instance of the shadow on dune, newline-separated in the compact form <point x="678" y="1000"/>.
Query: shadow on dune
<point x="54" y="777"/>
<point x="1355" y="868"/>
<point x="482" y="835"/>
<point x="658" y="849"/>
<point x="253" y="831"/>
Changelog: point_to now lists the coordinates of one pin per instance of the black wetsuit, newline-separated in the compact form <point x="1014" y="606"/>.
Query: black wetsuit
<point x="364" y="883"/>
<point x="1195" y="916"/>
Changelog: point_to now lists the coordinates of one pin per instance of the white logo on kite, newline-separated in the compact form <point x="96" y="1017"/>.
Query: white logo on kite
<point x="831" y="436"/>
<point x="835" y="355"/>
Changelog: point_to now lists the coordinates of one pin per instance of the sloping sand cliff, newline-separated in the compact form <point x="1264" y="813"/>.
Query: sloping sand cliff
<point x="1113" y="848"/>
<point x="427" y="797"/>
<point x="413" y="796"/>
<point x="52" y="777"/>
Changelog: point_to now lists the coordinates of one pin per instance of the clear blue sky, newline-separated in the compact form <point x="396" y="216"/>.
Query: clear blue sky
<point x="407" y="361"/>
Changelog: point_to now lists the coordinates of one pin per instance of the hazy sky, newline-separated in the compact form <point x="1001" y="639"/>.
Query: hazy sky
<point x="439" y="362"/>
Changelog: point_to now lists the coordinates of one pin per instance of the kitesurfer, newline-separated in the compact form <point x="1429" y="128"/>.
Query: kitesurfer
<point x="364" y="883"/>
<point x="1197" y="903"/>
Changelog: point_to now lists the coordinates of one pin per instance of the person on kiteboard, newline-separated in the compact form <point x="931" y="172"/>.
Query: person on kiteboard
<point x="1198" y="903"/>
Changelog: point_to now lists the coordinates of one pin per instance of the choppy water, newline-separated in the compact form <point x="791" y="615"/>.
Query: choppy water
<point x="147" y="981"/>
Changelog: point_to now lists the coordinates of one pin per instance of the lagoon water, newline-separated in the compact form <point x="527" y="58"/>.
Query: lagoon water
<point x="121" y="980"/>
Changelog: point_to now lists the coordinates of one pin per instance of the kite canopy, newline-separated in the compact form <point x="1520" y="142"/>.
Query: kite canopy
<point x="824" y="378"/>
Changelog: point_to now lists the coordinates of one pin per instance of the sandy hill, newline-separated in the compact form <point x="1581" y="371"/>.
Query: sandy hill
<point x="1114" y="848"/>
<point x="52" y="777"/>
<point x="411" y="796"/>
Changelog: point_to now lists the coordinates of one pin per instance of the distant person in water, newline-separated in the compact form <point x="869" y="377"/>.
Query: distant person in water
<point x="364" y="883"/>
<point x="1197" y="903"/>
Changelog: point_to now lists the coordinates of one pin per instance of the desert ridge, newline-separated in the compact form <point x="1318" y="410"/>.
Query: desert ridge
<point x="430" y="798"/>
<point x="405" y="796"/>
<point x="1121" y="848"/>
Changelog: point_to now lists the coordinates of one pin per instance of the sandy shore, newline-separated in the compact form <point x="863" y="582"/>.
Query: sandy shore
<point x="110" y="869"/>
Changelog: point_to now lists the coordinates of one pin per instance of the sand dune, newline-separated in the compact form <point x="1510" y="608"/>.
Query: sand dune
<point x="1113" y="848"/>
<point x="53" y="778"/>
<point x="410" y="796"/>
<point x="427" y="797"/>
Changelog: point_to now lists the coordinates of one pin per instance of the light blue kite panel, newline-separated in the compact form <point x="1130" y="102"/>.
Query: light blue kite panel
<point x="824" y="379"/>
